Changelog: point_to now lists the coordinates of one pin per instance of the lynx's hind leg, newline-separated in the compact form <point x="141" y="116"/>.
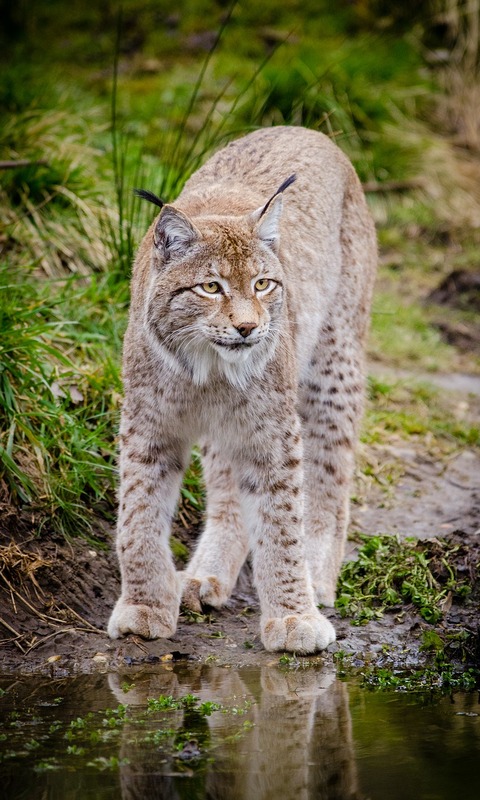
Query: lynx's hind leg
<point x="331" y="397"/>
<point x="331" y="407"/>
<point x="213" y="570"/>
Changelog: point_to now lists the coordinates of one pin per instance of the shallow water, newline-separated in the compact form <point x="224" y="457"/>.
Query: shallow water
<point x="256" y="734"/>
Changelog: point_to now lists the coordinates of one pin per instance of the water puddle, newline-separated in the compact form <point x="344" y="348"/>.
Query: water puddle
<point x="201" y="731"/>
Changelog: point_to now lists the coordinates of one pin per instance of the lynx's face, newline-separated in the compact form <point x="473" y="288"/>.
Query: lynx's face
<point x="216" y="293"/>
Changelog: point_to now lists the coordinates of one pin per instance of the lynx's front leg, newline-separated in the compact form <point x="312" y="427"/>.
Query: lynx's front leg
<point x="151" y="469"/>
<point x="213" y="570"/>
<point x="273" y="506"/>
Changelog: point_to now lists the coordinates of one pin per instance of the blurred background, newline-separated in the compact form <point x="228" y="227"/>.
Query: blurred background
<point x="99" y="98"/>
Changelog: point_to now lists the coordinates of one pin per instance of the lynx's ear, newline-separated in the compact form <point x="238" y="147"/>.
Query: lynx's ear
<point x="174" y="234"/>
<point x="267" y="218"/>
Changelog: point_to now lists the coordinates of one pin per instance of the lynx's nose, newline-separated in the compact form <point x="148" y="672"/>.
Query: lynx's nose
<point x="245" y="328"/>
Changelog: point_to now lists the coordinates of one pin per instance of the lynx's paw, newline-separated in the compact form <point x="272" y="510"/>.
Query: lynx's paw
<point x="198" y="592"/>
<point x="298" y="633"/>
<point x="151" y="623"/>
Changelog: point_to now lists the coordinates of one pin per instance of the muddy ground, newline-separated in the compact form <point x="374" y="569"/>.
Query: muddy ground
<point x="56" y="596"/>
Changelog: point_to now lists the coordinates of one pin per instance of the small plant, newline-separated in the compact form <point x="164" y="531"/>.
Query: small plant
<point x="75" y="750"/>
<point x="439" y="679"/>
<point x="288" y="660"/>
<point x="47" y="765"/>
<point x="195" y="616"/>
<point x="189" y="702"/>
<point x="112" y="763"/>
<point x="390" y="573"/>
<point x="163" y="703"/>
<point x="207" y="708"/>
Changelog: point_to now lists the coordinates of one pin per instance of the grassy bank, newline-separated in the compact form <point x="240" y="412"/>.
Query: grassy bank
<point x="140" y="100"/>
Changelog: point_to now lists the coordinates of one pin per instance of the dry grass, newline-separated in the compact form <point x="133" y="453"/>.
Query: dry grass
<point x="54" y="209"/>
<point x="19" y="584"/>
<point x="447" y="176"/>
<point x="458" y="105"/>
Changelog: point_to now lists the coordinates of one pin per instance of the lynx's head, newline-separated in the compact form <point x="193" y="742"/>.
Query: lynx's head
<point x="215" y="297"/>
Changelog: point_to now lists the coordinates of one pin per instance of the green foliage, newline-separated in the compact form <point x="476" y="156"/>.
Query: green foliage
<point x="113" y="763"/>
<point x="59" y="392"/>
<point x="163" y="703"/>
<point x="390" y="573"/>
<point x="430" y="679"/>
<point x="192" y="489"/>
<point x="189" y="701"/>
<point x="288" y="660"/>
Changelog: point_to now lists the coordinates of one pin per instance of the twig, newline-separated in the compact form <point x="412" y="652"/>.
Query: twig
<point x="47" y="617"/>
<point x="36" y="611"/>
<point x="29" y="605"/>
<point x="50" y="635"/>
<point x="15" y="633"/>
<point x="85" y="622"/>
<point x="22" y="162"/>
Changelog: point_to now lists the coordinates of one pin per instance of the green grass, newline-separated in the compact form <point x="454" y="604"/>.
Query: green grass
<point x="392" y="574"/>
<point x="59" y="395"/>
<point x="402" y="335"/>
<point x="417" y="411"/>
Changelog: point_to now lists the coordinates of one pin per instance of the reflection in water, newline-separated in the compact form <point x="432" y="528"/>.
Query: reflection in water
<point x="300" y="745"/>
<point x="303" y="736"/>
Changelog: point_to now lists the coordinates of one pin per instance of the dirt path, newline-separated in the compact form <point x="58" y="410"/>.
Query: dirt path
<point x="57" y="596"/>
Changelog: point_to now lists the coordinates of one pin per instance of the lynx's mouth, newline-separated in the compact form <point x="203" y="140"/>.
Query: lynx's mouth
<point x="235" y="345"/>
<point x="233" y="352"/>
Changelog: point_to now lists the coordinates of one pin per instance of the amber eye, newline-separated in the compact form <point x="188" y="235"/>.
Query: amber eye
<point x="211" y="288"/>
<point x="262" y="284"/>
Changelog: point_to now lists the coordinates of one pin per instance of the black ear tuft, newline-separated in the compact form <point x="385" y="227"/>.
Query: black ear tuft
<point x="150" y="196"/>
<point x="280" y="189"/>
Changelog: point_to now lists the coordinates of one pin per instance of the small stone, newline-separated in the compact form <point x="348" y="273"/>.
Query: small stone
<point x="100" y="658"/>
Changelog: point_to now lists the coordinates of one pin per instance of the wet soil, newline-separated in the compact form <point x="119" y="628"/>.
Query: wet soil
<point x="56" y="596"/>
<point x="460" y="289"/>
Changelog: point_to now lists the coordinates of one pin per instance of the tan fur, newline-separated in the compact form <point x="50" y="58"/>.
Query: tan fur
<point x="270" y="381"/>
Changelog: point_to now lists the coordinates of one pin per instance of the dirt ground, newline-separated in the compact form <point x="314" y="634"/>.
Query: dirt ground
<point x="56" y="596"/>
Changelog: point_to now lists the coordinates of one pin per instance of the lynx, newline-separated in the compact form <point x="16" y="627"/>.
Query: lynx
<point x="250" y="306"/>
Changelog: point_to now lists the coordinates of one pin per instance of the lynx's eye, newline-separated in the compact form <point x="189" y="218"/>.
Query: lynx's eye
<point x="263" y="284"/>
<point x="208" y="289"/>
<point x="211" y="288"/>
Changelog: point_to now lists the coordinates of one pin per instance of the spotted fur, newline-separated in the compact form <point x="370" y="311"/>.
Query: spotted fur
<point x="267" y="372"/>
